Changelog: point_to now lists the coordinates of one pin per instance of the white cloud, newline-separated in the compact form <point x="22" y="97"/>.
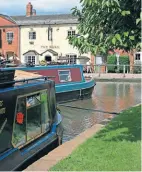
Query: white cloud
<point x="39" y="5"/>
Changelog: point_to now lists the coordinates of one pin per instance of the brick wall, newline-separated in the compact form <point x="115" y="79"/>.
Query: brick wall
<point x="8" y="26"/>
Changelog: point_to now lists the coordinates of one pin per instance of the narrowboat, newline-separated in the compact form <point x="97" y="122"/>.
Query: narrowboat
<point x="70" y="83"/>
<point x="29" y="119"/>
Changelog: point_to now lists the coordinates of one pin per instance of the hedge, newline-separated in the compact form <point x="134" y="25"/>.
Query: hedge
<point x="112" y="61"/>
<point x="124" y="60"/>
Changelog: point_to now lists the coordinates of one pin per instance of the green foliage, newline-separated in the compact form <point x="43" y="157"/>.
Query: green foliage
<point x="111" y="60"/>
<point x="107" y="24"/>
<point x="124" y="60"/>
<point x="137" y="69"/>
<point x="43" y="63"/>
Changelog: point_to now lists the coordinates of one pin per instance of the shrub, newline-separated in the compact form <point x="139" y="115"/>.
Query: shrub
<point x="124" y="60"/>
<point x="138" y="68"/>
<point x="111" y="60"/>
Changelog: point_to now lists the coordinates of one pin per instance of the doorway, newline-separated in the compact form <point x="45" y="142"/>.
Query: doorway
<point x="9" y="54"/>
<point x="48" y="58"/>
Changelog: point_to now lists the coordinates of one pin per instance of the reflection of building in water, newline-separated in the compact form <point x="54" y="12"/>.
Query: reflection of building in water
<point x="113" y="97"/>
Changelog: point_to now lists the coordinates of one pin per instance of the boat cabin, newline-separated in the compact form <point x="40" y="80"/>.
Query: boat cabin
<point x="27" y="113"/>
<point x="59" y="73"/>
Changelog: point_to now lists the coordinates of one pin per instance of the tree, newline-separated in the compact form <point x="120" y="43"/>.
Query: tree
<point x="107" y="24"/>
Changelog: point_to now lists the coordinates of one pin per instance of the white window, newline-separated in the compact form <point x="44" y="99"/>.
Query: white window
<point x="72" y="59"/>
<point x="71" y="32"/>
<point x="32" y="35"/>
<point x="50" y="31"/>
<point x="137" y="57"/>
<point x="64" y="75"/>
<point x="30" y="59"/>
<point x="9" y="36"/>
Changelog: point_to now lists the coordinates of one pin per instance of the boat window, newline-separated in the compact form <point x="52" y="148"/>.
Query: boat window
<point x="45" y="111"/>
<point x="64" y="76"/>
<point x="52" y="102"/>
<point x="33" y="116"/>
<point x="31" y="119"/>
<point x="19" y="133"/>
<point x="33" y="100"/>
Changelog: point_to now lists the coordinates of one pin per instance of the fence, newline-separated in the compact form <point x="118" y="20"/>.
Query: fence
<point x="123" y="69"/>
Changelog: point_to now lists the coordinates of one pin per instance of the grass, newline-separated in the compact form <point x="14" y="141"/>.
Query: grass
<point x="117" y="147"/>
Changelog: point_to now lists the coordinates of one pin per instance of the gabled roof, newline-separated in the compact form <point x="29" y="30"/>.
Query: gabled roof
<point x="36" y="53"/>
<point x="8" y="18"/>
<point x="50" y="51"/>
<point x="45" y="19"/>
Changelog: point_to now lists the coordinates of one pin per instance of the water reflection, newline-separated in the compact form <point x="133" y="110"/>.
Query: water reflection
<point x="112" y="97"/>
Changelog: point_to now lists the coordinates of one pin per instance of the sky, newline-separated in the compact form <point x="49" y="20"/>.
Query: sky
<point x="18" y="7"/>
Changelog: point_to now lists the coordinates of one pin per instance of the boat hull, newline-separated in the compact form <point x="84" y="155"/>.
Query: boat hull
<point x="16" y="159"/>
<point x="72" y="92"/>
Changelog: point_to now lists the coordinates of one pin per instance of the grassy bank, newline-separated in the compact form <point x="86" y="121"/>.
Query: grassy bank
<point x="114" y="148"/>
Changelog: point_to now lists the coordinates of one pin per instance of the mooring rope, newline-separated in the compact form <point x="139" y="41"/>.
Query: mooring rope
<point x="94" y="110"/>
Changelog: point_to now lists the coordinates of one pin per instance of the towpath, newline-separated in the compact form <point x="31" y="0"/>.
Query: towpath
<point x="114" y="77"/>
<point x="61" y="152"/>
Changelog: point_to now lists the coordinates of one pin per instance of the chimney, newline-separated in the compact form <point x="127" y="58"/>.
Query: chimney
<point x="29" y="9"/>
<point x="34" y="12"/>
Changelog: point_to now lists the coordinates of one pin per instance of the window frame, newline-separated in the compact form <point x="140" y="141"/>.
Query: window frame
<point x="71" y="33"/>
<point x="9" y="32"/>
<point x="64" y="74"/>
<point x="50" y="34"/>
<point x="139" y="57"/>
<point x="32" y="37"/>
<point x="70" y="56"/>
<point x="26" y="57"/>
<point x="15" y="113"/>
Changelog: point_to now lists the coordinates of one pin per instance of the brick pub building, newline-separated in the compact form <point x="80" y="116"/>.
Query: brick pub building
<point x="9" y="37"/>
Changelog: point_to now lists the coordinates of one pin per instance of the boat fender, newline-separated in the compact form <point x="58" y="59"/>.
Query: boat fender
<point x="81" y="95"/>
<point x="58" y="109"/>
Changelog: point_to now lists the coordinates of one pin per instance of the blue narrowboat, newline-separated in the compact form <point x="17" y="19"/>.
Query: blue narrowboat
<point x="70" y="83"/>
<point x="29" y="119"/>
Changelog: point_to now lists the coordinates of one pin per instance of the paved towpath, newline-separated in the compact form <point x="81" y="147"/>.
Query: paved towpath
<point x="61" y="152"/>
<point x="114" y="76"/>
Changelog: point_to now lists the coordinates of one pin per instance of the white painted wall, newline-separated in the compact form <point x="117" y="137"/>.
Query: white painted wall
<point x="59" y="44"/>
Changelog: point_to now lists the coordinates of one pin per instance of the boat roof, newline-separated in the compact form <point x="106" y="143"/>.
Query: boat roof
<point x="46" y="67"/>
<point x="25" y="79"/>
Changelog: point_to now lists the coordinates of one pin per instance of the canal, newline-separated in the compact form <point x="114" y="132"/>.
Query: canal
<point x="110" y="97"/>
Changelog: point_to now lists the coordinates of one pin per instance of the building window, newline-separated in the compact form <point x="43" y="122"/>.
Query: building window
<point x="64" y="75"/>
<point x="30" y="59"/>
<point x="71" y="32"/>
<point x="31" y="118"/>
<point x="32" y="35"/>
<point x="50" y="34"/>
<point x="137" y="57"/>
<point x="9" y="36"/>
<point x="72" y="59"/>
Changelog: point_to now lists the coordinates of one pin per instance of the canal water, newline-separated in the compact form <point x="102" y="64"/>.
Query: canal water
<point x="110" y="97"/>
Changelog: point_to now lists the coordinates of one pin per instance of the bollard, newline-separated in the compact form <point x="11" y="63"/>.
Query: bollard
<point x="106" y="69"/>
<point x="99" y="70"/>
<point x="124" y="71"/>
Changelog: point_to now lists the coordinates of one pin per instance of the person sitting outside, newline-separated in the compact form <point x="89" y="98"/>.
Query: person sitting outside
<point x="89" y="67"/>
